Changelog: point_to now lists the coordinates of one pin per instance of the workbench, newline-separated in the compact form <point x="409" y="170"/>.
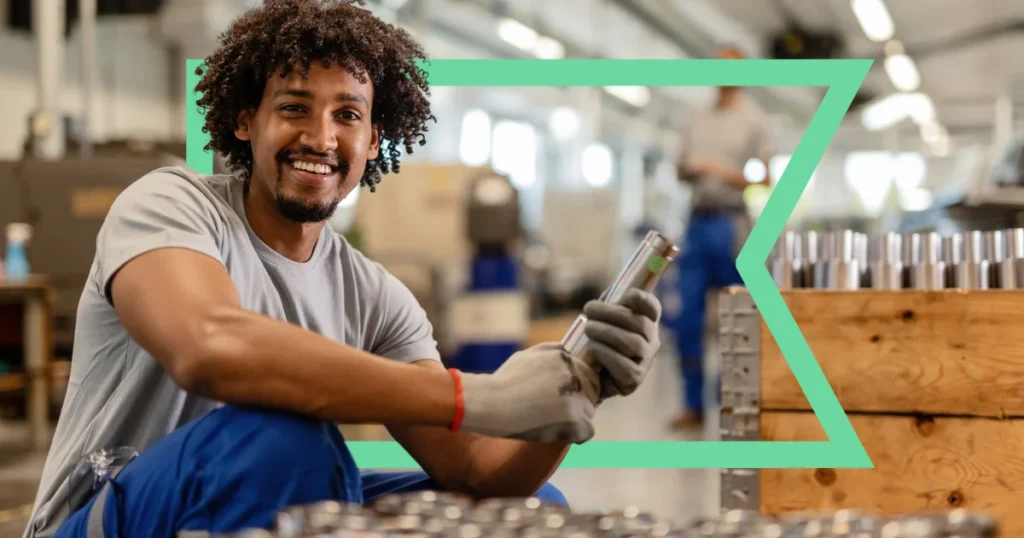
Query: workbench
<point x="36" y="296"/>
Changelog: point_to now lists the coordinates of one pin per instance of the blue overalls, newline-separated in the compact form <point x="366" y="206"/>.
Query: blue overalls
<point x="708" y="260"/>
<point x="235" y="468"/>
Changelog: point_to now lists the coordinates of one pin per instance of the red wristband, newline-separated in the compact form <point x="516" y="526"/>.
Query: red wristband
<point x="460" y="407"/>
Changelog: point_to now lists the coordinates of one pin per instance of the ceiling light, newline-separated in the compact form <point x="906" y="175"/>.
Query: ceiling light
<point x="548" y="49"/>
<point x="518" y="34"/>
<point x="565" y="123"/>
<point x="874" y="19"/>
<point x="638" y="96"/>
<point x="902" y="72"/>
<point x="892" y="109"/>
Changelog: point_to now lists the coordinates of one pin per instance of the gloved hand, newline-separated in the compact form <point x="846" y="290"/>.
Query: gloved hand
<point x="624" y="339"/>
<point x="539" y="394"/>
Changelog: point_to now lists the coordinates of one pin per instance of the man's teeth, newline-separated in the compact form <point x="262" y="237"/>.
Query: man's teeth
<point x="312" y="167"/>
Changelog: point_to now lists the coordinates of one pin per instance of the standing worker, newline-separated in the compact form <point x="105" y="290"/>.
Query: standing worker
<point x="225" y="330"/>
<point x="717" y="144"/>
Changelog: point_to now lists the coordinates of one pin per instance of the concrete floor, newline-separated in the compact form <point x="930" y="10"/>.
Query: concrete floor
<point x="677" y="495"/>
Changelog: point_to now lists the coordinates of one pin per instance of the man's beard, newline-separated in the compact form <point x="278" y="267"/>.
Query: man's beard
<point x="306" y="211"/>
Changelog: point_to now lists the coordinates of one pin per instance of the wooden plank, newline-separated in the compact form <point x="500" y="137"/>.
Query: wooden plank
<point x="942" y="352"/>
<point x="921" y="464"/>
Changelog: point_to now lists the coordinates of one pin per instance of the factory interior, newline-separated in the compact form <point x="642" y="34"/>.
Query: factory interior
<point x="897" y="270"/>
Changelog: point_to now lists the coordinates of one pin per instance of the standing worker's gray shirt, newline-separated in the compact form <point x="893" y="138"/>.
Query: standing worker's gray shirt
<point x="118" y="395"/>
<point x="732" y="136"/>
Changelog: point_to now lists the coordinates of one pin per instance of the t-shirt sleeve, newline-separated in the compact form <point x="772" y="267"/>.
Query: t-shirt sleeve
<point x="160" y="210"/>
<point x="403" y="332"/>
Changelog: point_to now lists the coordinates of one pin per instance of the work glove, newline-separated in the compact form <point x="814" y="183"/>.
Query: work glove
<point x="624" y="339"/>
<point x="540" y="394"/>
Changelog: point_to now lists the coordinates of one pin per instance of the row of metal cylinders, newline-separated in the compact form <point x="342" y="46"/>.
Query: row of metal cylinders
<point x="850" y="260"/>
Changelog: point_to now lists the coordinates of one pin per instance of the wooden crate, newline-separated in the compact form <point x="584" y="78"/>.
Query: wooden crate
<point x="933" y="383"/>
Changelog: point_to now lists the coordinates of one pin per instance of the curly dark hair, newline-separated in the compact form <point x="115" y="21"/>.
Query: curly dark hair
<point x="283" y="35"/>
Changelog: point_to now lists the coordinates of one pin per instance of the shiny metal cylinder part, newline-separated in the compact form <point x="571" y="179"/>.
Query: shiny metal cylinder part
<point x="810" y="251"/>
<point x="911" y="257"/>
<point x="1011" y="268"/>
<point x="643" y="270"/>
<point x="861" y="254"/>
<point x="887" y="268"/>
<point x="971" y="269"/>
<point x="929" y="270"/>
<point x="841" y="270"/>
<point x="995" y="253"/>
<point x="786" y="262"/>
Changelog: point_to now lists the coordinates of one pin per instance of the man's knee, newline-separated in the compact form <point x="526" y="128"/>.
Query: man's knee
<point x="550" y="494"/>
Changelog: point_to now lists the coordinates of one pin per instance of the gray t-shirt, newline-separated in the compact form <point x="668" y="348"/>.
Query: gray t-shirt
<point x="119" y="395"/>
<point x="733" y="136"/>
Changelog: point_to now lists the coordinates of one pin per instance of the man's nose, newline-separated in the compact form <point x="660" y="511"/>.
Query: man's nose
<point x="321" y="135"/>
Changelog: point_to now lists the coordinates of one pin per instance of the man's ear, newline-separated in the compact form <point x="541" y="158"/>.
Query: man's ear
<point x="242" y="131"/>
<point x="374" y="150"/>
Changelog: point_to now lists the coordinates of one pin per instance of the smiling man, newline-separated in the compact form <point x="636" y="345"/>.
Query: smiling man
<point x="225" y="330"/>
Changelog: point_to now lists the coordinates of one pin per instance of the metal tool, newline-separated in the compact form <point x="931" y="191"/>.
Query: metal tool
<point x="643" y="270"/>
<point x="887" y="270"/>
<point x="786" y="261"/>
<point x="929" y="271"/>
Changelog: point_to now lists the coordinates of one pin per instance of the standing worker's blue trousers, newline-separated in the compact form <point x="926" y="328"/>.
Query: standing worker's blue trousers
<point x="708" y="261"/>
<point x="235" y="468"/>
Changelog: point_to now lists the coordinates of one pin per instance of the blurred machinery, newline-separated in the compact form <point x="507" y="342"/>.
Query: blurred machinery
<point x="65" y="202"/>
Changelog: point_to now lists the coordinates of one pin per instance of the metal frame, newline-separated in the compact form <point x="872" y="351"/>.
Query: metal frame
<point x="740" y="345"/>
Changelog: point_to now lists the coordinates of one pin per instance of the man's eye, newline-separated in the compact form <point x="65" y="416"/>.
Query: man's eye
<point x="291" y="108"/>
<point x="349" y="115"/>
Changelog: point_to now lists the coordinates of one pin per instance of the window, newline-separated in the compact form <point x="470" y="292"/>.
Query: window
<point x="514" y="152"/>
<point x="475" y="140"/>
<point x="598" y="165"/>
<point x="870" y="175"/>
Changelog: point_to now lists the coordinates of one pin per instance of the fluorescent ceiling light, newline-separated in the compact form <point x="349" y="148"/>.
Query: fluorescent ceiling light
<point x="637" y="96"/>
<point x="892" y="109"/>
<point x="518" y="34"/>
<point x="874" y="19"/>
<point x="902" y="72"/>
<point x="548" y="49"/>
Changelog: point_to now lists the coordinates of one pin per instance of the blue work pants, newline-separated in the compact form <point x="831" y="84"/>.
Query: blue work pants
<point x="235" y="468"/>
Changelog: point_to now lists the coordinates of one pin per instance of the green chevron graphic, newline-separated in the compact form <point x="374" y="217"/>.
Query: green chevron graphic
<point x="843" y="78"/>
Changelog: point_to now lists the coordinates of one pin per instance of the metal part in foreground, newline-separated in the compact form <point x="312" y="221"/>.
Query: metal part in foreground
<point x="740" y="345"/>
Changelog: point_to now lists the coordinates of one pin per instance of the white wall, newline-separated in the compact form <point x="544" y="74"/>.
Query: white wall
<point x="133" y="94"/>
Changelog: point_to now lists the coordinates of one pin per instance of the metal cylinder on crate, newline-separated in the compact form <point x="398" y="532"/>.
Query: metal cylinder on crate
<point x="809" y="258"/>
<point x="929" y="272"/>
<point x="786" y="262"/>
<point x="995" y="253"/>
<point x="1011" y="269"/>
<point x="970" y="271"/>
<point x="887" y="269"/>
<point x="841" y="267"/>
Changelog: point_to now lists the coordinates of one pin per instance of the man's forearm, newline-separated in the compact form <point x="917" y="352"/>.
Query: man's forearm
<point x="512" y="468"/>
<point x="250" y="359"/>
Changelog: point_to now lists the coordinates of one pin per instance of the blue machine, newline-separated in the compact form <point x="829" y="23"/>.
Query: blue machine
<point x="491" y="318"/>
